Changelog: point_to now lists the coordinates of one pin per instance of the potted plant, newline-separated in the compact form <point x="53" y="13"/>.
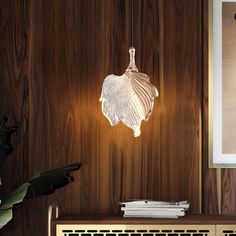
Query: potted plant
<point x="43" y="183"/>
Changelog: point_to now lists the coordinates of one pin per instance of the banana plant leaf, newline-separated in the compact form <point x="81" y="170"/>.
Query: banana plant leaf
<point x="42" y="184"/>
<point x="5" y="139"/>
<point x="47" y="182"/>
<point x="6" y="208"/>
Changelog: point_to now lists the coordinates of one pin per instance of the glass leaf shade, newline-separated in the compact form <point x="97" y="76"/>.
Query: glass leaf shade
<point x="128" y="98"/>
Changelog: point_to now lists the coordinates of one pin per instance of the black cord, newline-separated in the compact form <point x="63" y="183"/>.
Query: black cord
<point x="132" y="23"/>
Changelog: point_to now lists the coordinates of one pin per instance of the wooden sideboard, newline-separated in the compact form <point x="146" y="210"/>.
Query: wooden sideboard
<point x="191" y="225"/>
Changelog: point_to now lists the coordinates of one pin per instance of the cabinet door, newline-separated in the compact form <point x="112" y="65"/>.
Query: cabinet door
<point x="225" y="230"/>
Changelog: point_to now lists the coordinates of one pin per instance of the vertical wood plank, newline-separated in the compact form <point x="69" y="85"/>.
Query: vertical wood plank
<point x="181" y="116"/>
<point x="14" y="90"/>
<point x="210" y="194"/>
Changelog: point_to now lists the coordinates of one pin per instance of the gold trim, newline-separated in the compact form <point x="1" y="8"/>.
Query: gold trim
<point x="210" y="83"/>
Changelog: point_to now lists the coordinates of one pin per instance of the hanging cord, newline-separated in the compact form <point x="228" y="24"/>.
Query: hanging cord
<point x="132" y="23"/>
<point x="132" y="66"/>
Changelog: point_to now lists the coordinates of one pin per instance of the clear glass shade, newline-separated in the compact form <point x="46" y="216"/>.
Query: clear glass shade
<point x="128" y="98"/>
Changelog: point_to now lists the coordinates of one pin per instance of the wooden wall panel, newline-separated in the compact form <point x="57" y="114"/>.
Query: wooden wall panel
<point x="69" y="47"/>
<point x="14" y="97"/>
<point x="181" y="91"/>
<point x="211" y="193"/>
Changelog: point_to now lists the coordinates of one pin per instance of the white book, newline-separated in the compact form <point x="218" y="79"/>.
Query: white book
<point x="151" y="205"/>
<point x="186" y="207"/>
<point x="156" y="216"/>
<point x="153" y="209"/>
<point x="165" y="213"/>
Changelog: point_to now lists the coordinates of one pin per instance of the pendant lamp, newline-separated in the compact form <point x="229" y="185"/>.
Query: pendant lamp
<point x="130" y="97"/>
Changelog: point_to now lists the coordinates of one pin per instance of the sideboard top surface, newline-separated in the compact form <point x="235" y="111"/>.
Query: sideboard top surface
<point x="104" y="219"/>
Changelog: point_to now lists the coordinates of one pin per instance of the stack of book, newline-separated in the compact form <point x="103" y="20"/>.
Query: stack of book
<point x="154" y="209"/>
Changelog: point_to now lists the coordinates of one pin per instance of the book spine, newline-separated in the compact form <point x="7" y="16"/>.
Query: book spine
<point x="156" y="206"/>
<point x="156" y="216"/>
<point x="153" y="213"/>
<point x="151" y="209"/>
<point x="148" y="202"/>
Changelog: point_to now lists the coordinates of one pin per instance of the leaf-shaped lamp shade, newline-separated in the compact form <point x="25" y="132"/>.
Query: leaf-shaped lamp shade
<point x="128" y="98"/>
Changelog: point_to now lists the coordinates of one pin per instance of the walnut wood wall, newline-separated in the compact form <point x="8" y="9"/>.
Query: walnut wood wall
<point x="54" y="56"/>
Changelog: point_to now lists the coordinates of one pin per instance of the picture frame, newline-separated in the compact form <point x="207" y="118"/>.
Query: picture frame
<point x="221" y="83"/>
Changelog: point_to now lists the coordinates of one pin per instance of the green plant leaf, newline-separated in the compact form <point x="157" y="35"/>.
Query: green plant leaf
<point x="5" y="217"/>
<point x="47" y="182"/>
<point x="15" y="197"/>
<point x="42" y="184"/>
<point x="8" y="203"/>
<point x="3" y="121"/>
<point x="5" y="139"/>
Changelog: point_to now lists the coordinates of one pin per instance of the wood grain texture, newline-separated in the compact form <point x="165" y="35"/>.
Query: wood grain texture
<point x="14" y="103"/>
<point x="69" y="47"/>
<point x="197" y="219"/>
<point x="210" y="188"/>
<point x="181" y="115"/>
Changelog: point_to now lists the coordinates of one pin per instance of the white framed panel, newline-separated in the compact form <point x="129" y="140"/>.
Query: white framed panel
<point x="222" y="71"/>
